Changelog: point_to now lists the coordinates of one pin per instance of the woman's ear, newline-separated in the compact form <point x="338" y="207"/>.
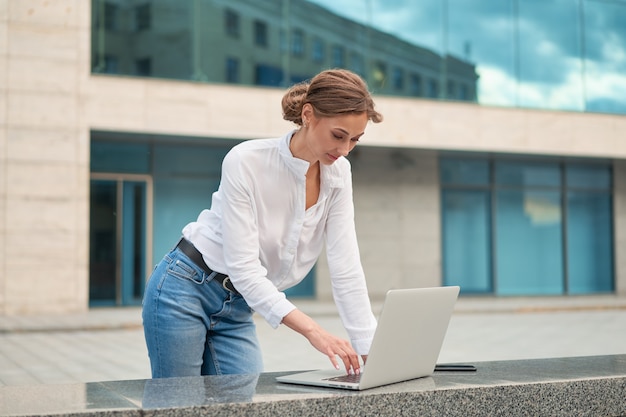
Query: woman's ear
<point x="307" y="114"/>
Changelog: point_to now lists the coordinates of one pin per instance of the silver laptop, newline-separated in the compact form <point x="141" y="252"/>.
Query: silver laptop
<point x="406" y="345"/>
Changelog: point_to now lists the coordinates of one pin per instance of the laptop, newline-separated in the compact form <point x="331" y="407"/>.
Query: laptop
<point x="410" y="332"/>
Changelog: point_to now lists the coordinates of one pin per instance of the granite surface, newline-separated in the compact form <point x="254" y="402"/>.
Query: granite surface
<point x="580" y="386"/>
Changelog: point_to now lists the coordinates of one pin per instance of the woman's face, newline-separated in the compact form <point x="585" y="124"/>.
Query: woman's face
<point x="330" y="138"/>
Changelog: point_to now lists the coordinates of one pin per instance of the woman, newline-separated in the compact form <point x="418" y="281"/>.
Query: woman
<point x="279" y="202"/>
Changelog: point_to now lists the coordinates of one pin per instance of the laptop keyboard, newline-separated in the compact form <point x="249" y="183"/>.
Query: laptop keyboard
<point x="346" y="378"/>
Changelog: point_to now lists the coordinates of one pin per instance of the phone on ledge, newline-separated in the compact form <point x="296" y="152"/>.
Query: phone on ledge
<point x="454" y="367"/>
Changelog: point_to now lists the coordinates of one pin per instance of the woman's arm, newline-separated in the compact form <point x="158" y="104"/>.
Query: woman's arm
<point x="323" y="341"/>
<point x="344" y="263"/>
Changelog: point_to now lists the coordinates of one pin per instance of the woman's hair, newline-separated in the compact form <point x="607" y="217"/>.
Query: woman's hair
<point x="333" y="92"/>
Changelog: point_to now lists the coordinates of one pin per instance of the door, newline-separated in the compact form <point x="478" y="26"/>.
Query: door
<point x="119" y="236"/>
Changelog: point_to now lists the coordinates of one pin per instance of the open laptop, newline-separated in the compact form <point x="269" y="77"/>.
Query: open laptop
<point x="410" y="333"/>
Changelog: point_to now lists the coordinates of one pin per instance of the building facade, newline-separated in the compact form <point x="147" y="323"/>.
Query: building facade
<point x="500" y="166"/>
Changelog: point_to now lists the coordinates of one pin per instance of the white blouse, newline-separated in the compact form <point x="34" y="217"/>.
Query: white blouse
<point x="258" y="232"/>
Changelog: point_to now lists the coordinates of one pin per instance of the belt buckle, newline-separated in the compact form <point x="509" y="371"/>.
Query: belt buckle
<point x="225" y="285"/>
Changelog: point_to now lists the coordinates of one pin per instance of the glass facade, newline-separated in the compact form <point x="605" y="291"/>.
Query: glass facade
<point x="527" y="227"/>
<point x="183" y="177"/>
<point x="556" y="54"/>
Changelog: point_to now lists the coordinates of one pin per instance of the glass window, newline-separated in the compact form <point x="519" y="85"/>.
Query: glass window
<point x="528" y="244"/>
<point x="282" y="39"/>
<point x="557" y="54"/>
<point x="589" y="242"/>
<point x="603" y="49"/>
<point x="120" y="157"/>
<point x="260" y="33"/>
<point x="398" y="78"/>
<point x="483" y="34"/>
<point x="357" y="64"/>
<point x="379" y="75"/>
<point x="464" y="92"/>
<point x="338" y="56"/>
<point x="231" y="23"/>
<point x="143" y="17"/>
<point x="543" y="235"/>
<point x="232" y="70"/>
<point x="317" y="50"/>
<point x="297" y="43"/>
<point x="548" y="65"/>
<point x="588" y="176"/>
<point x="451" y="90"/>
<point x="464" y="171"/>
<point x="143" y="67"/>
<point x="415" y="85"/>
<point x="433" y="88"/>
<point x="110" y="20"/>
<point x="268" y="75"/>
<point x="107" y="64"/>
<point x="526" y="174"/>
<point x="466" y="236"/>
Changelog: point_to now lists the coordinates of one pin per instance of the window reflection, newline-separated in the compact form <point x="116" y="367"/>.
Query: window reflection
<point x="557" y="54"/>
<point x="525" y="226"/>
<point x="604" y="55"/>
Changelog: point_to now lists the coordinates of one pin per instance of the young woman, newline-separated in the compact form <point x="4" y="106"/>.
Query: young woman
<point x="279" y="202"/>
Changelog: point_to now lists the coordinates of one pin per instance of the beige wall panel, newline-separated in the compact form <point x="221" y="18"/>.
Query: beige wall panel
<point x="454" y="124"/>
<point x="31" y="291"/>
<point x="45" y="181"/>
<point x="45" y="12"/>
<point x="174" y="111"/>
<point x="4" y="10"/>
<point x="156" y="106"/>
<point x="3" y="164"/>
<point x="41" y="75"/>
<point x="43" y="41"/>
<point x="3" y="125"/>
<point x="41" y="110"/>
<point x="462" y="126"/>
<point x="30" y="145"/>
<point x="250" y="112"/>
<point x="3" y="90"/>
<point x="586" y="132"/>
<point x="46" y="216"/>
<point x="113" y="103"/>
<point x="4" y="45"/>
<point x="256" y="111"/>
<point x="3" y="203"/>
<point x="3" y="153"/>
<point x="82" y="149"/>
<point x="41" y="276"/>
<point x="549" y="132"/>
<point x="500" y="125"/>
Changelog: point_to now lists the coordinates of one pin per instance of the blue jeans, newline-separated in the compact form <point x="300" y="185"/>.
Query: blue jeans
<point x="193" y="326"/>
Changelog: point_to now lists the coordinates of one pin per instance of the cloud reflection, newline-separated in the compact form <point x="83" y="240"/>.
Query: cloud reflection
<point x="558" y="54"/>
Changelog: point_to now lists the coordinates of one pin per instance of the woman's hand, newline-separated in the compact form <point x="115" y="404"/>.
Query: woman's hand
<point x="323" y="341"/>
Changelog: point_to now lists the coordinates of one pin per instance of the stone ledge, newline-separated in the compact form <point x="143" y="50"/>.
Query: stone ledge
<point x="557" y="387"/>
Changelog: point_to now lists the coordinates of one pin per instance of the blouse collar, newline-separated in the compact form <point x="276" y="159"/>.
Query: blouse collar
<point x="330" y="174"/>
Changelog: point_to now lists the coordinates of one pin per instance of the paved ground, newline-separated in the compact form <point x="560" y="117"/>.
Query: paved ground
<point x="107" y="343"/>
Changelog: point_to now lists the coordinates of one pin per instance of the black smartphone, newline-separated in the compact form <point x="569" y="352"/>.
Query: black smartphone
<point x="454" y="367"/>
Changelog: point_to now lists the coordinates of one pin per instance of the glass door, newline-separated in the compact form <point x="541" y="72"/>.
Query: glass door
<point x="119" y="252"/>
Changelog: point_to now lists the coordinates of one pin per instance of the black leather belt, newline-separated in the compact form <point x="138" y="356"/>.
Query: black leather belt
<point x="194" y="254"/>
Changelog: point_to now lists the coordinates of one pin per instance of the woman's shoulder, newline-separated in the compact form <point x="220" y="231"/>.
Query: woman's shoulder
<point x="252" y="148"/>
<point x="256" y="144"/>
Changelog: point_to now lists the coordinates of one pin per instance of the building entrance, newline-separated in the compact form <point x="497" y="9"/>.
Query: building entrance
<point x="119" y="236"/>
